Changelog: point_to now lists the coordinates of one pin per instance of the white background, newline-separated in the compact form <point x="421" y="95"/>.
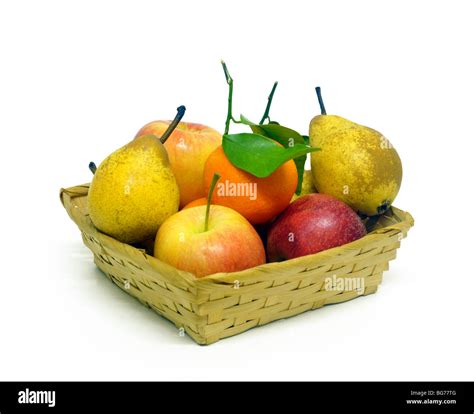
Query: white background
<point x="78" y="79"/>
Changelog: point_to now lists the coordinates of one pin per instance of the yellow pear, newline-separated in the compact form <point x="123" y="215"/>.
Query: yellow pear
<point x="356" y="164"/>
<point x="134" y="190"/>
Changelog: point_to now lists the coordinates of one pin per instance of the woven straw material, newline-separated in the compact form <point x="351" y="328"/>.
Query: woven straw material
<point x="226" y="304"/>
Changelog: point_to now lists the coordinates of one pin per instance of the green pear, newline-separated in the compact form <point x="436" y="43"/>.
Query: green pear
<point x="356" y="164"/>
<point x="133" y="190"/>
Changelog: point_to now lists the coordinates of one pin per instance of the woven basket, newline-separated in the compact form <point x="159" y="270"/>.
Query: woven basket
<point x="226" y="304"/>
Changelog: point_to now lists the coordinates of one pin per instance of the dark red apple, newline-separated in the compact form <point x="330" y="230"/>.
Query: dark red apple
<point x="312" y="223"/>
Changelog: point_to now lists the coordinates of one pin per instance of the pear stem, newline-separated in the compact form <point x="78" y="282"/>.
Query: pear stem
<point x="269" y="104"/>
<point x="230" y="82"/>
<point x="320" y="99"/>
<point x="92" y="167"/>
<point x="215" y="178"/>
<point x="181" y="110"/>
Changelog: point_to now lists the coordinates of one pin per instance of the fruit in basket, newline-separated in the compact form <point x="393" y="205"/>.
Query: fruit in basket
<point x="258" y="199"/>
<point x="188" y="148"/>
<point x="209" y="239"/>
<point x="259" y="169"/>
<point x="313" y="223"/>
<point x="356" y="164"/>
<point x="134" y="190"/>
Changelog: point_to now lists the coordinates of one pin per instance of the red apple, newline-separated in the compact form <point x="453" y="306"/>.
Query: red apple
<point x="229" y="244"/>
<point x="313" y="223"/>
<point x="188" y="148"/>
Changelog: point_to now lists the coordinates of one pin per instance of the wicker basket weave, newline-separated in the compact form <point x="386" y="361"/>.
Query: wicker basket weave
<point x="226" y="304"/>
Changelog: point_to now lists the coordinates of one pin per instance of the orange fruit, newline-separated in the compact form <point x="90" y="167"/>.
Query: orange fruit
<point x="198" y="202"/>
<point x="257" y="199"/>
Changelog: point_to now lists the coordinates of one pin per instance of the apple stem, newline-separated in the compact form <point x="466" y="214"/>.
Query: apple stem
<point x="181" y="110"/>
<point x="215" y="178"/>
<point x="320" y="99"/>
<point x="92" y="167"/>
<point x="269" y="104"/>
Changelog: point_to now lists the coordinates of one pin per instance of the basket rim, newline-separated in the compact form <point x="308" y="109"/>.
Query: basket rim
<point x="187" y="279"/>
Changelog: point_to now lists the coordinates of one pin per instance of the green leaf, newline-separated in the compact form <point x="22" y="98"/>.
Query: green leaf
<point x="286" y="137"/>
<point x="244" y="120"/>
<point x="260" y="155"/>
<point x="300" y="162"/>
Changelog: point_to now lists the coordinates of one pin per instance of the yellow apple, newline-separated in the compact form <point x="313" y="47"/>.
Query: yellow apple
<point x="229" y="243"/>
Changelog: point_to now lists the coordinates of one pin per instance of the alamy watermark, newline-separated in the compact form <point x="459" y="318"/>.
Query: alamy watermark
<point x="342" y="284"/>
<point x="230" y="189"/>
<point x="37" y="397"/>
